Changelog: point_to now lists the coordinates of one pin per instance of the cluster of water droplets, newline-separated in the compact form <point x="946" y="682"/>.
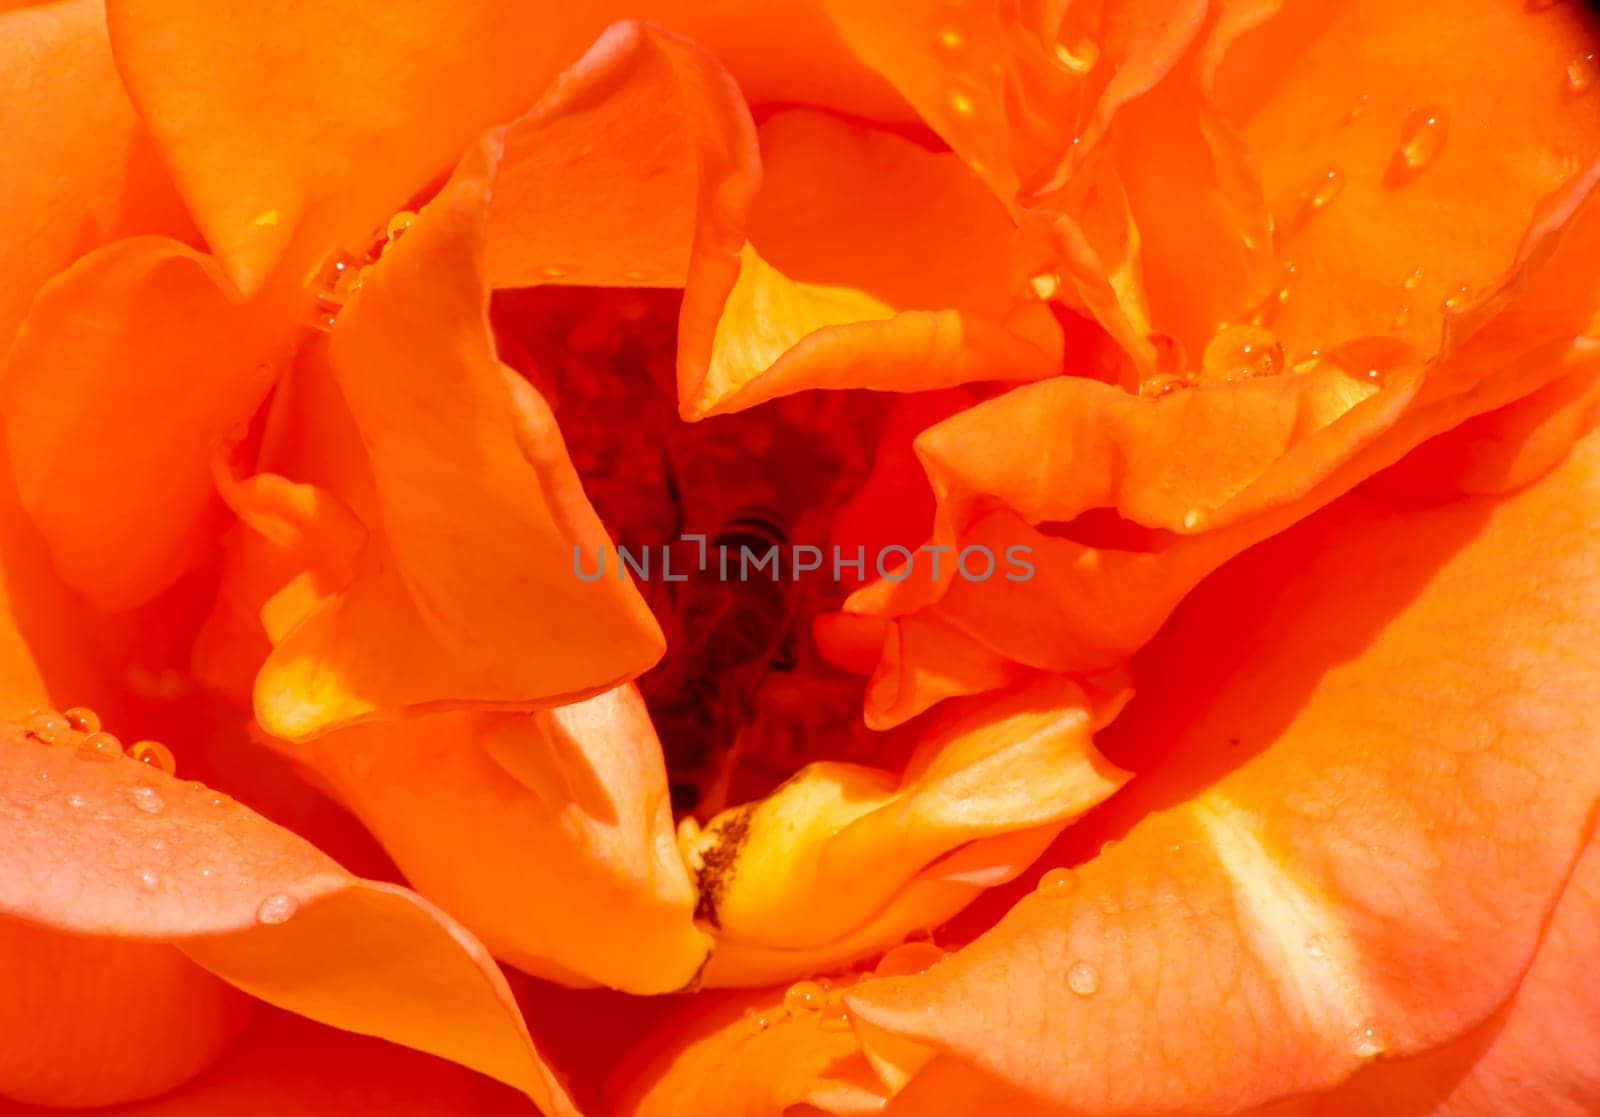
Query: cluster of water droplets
<point x="79" y="729"/>
<point x="338" y="277"/>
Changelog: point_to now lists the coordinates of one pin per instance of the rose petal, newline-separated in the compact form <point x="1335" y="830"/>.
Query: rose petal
<point x="287" y="1064"/>
<point x="1540" y="1048"/>
<point x="134" y="339"/>
<point x="744" y="1055"/>
<point x="871" y="262"/>
<point x="371" y="107"/>
<point x="782" y="880"/>
<point x="568" y="803"/>
<point x="79" y="169"/>
<point x="113" y="850"/>
<point x="601" y="180"/>
<point x="467" y="592"/>
<point x="1311" y="843"/>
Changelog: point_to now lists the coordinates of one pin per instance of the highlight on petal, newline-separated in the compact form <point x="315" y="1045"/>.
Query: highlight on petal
<point x="639" y="154"/>
<point x="1539" y="1048"/>
<point x="569" y="803"/>
<point x="1307" y="849"/>
<point x="109" y="852"/>
<point x="843" y="860"/>
<point x="79" y="169"/>
<point x="288" y="1064"/>
<point x="134" y="339"/>
<point x="372" y="107"/>
<point x="870" y="263"/>
<point x="466" y="592"/>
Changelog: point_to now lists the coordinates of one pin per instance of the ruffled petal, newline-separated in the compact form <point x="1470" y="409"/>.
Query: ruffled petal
<point x="1310" y="842"/>
<point x="871" y="262"/>
<point x="571" y="803"/>
<point x="783" y="881"/>
<point x="79" y="169"/>
<point x="1125" y="503"/>
<point x="467" y="591"/>
<point x="634" y="160"/>
<point x="115" y="853"/>
<point x="130" y="369"/>
<point x="370" y="108"/>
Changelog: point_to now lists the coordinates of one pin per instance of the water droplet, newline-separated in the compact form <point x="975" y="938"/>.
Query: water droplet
<point x="1161" y="384"/>
<point x="1045" y="284"/>
<point x="277" y="908"/>
<point x="1456" y="299"/>
<point x="1057" y="882"/>
<point x="1410" y="282"/>
<point x="908" y="958"/>
<point x="84" y="719"/>
<point x="950" y="39"/>
<point x="207" y="873"/>
<point x="555" y="271"/>
<point x="804" y="996"/>
<point x="158" y="845"/>
<point x="961" y="103"/>
<point x="1083" y="979"/>
<point x="1364" y="1043"/>
<point x="100" y="746"/>
<point x="1400" y="318"/>
<point x="1081" y="58"/>
<point x="636" y="275"/>
<point x="398" y="224"/>
<point x="1325" y="187"/>
<point x="1358" y="108"/>
<point x="1191" y="520"/>
<point x="46" y="726"/>
<point x="76" y="801"/>
<point x="1107" y="846"/>
<point x="155" y="754"/>
<point x="1422" y="137"/>
<point x="147" y="799"/>
<point x="757" y="1020"/>
<point x="1241" y="353"/>
<point x="1317" y="946"/>
<point x="1582" y="71"/>
<point x="1371" y="358"/>
<point x="835" y="1018"/>
<point x="148" y="880"/>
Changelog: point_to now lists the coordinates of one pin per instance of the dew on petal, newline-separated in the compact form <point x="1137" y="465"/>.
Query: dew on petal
<point x="1081" y="58"/>
<point x="1325" y="187"/>
<point x="951" y="39"/>
<point x="75" y="801"/>
<point x="47" y="726"/>
<point x="146" y="798"/>
<point x="1083" y="978"/>
<point x="1241" y="353"/>
<point x="961" y="103"/>
<point x="1045" y="284"/>
<point x="1402" y="316"/>
<point x="908" y="958"/>
<point x="104" y="746"/>
<point x="1410" y="282"/>
<point x="1582" y="71"/>
<point x="756" y="1021"/>
<point x="83" y="719"/>
<point x="1317" y="947"/>
<point x="804" y="996"/>
<point x="155" y="754"/>
<point x="1057" y="882"/>
<point x="1422" y="138"/>
<point x="277" y="908"/>
<point x="835" y="1018"/>
<point x="1358" y="108"/>
<point x="398" y="224"/>
<point x="148" y="880"/>
<point x="1364" y="1043"/>
<point x="555" y="271"/>
<point x="1161" y="384"/>
<point x="1456" y="299"/>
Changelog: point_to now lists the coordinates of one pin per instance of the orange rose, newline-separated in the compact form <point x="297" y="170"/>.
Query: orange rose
<point x="1237" y="362"/>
